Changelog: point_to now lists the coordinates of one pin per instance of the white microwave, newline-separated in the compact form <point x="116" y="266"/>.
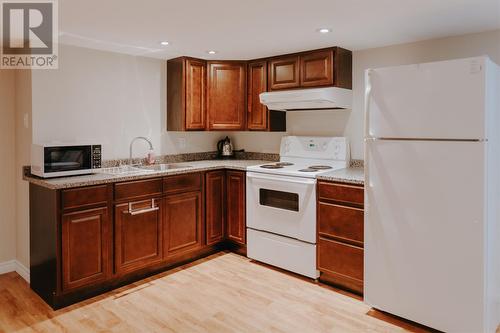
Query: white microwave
<point x="58" y="160"/>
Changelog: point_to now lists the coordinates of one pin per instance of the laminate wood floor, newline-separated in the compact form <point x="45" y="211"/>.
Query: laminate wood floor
<point x="222" y="293"/>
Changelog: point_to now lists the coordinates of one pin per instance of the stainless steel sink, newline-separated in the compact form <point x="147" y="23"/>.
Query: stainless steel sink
<point x="163" y="167"/>
<point x="123" y="170"/>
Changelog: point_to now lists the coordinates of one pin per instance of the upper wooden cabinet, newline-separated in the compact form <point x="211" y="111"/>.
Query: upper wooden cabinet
<point x="284" y="72"/>
<point x="259" y="118"/>
<point x="226" y="95"/>
<point x="257" y="84"/>
<point x="186" y="94"/>
<point x="318" y="68"/>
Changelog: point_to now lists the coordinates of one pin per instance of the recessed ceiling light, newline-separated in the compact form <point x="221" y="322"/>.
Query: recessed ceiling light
<point x="164" y="43"/>
<point x="211" y="52"/>
<point x="324" y="30"/>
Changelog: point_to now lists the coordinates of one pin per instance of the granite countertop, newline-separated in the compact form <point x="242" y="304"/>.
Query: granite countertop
<point x="103" y="178"/>
<point x="353" y="175"/>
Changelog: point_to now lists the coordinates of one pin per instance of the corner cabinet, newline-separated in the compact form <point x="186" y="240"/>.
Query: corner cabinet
<point x="259" y="118"/>
<point x="186" y="94"/>
<point x="236" y="206"/>
<point x="215" y="211"/>
<point x="226" y="95"/>
<point x="340" y="234"/>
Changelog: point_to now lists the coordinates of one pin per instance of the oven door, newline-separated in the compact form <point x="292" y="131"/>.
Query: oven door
<point x="282" y="205"/>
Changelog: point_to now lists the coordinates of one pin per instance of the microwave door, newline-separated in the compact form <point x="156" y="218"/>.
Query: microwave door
<point x="70" y="158"/>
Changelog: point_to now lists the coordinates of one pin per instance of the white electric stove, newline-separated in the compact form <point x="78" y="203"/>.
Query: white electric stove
<point x="281" y="202"/>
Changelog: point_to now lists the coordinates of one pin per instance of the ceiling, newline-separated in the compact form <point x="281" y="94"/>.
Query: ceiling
<point x="239" y="29"/>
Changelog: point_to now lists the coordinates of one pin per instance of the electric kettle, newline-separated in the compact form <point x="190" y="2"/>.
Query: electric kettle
<point x="225" y="148"/>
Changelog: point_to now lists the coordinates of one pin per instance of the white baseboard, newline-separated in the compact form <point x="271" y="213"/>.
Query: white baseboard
<point x="15" y="266"/>
<point x="23" y="271"/>
<point x="7" y="266"/>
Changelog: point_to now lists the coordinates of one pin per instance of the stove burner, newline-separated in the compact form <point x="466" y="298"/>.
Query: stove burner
<point x="284" y="163"/>
<point x="320" y="167"/>
<point x="271" y="166"/>
<point x="308" y="170"/>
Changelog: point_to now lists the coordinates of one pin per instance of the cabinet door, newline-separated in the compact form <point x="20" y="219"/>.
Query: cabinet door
<point x="284" y="73"/>
<point x="215" y="213"/>
<point x="138" y="230"/>
<point x="195" y="91"/>
<point x="183" y="223"/>
<point x="236" y="212"/>
<point x="257" y="83"/>
<point x="316" y="69"/>
<point x="226" y="95"/>
<point x="84" y="245"/>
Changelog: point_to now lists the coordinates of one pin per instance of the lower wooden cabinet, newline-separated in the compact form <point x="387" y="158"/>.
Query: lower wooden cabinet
<point x="340" y="235"/>
<point x="138" y="234"/>
<point x="85" y="248"/>
<point x="215" y="207"/>
<point x="183" y="223"/>
<point x="236" y="206"/>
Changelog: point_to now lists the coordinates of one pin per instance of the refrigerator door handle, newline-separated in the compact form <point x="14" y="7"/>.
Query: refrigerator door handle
<point x="368" y="93"/>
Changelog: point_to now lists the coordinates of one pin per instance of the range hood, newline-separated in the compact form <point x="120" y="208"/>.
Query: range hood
<point x="308" y="99"/>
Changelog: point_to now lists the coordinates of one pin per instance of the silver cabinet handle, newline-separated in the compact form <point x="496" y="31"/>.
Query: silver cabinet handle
<point x="142" y="211"/>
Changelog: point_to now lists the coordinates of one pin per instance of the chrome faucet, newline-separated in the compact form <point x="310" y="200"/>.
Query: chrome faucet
<point x="132" y="144"/>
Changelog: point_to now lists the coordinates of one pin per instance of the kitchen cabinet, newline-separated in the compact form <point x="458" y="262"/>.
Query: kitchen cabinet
<point x="138" y="234"/>
<point x="226" y="95"/>
<point x="340" y="234"/>
<point x="91" y="239"/>
<point x="186" y="94"/>
<point x="85" y="248"/>
<point x="259" y="118"/>
<point x="311" y="69"/>
<point x="284" y="72"/>
<point x="215" y="211"/>
<point x="316" y="69"/>
<point x="236" y="206"/>
<point x="183" y="223"/>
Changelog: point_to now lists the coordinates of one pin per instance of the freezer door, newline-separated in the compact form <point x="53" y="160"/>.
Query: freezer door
<point x="424" y="232"/>
<point x="440" y="100"/>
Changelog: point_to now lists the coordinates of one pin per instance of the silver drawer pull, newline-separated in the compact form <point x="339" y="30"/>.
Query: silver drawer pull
<point x="142" y="211"/>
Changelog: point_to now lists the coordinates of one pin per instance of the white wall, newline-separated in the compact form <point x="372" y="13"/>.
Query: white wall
<point x="486" y="43"/>
<point x="7" y="167"/>
<point x="22" y="158"/>
<point x="110" y="98"/>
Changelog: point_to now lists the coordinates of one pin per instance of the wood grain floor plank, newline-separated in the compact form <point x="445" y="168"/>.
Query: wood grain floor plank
<point x="222" y="293"/>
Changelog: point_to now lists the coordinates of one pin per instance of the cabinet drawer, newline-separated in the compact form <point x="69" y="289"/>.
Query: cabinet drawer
<point x="182" y="183"/>
<point x="85" y="196"/>
<point x="341" y="222"/>
<point x="348" y="194"/>
<point x="138" y="189"/>
<point x="340" y="259"/>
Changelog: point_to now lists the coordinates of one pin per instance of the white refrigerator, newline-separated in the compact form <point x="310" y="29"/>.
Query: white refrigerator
<point x="432" y="198"/>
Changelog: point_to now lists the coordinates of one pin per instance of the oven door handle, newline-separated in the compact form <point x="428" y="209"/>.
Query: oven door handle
<point x="282" y="179"/>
